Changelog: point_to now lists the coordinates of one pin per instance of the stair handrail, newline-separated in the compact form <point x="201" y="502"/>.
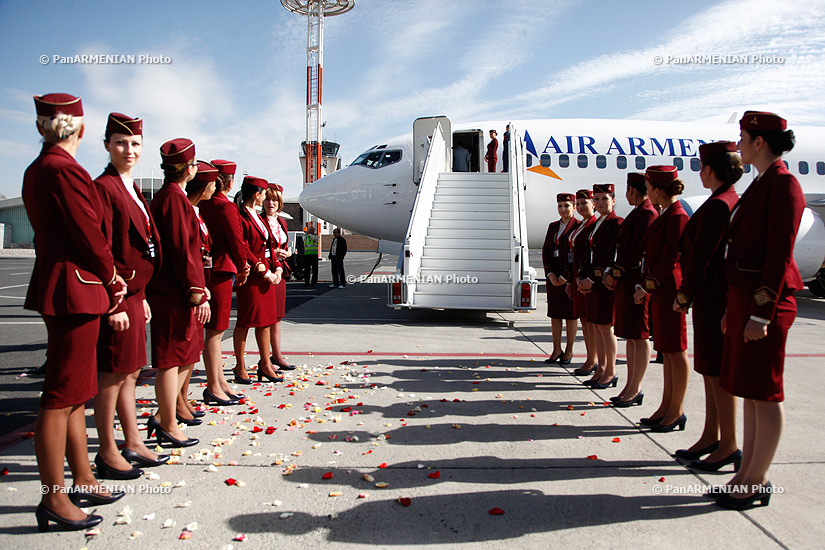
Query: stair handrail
<point x="416" y="235"/>
<point x="520" y="248"/>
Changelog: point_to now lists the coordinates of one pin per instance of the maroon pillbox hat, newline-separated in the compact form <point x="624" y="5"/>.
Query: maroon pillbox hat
<point x="257" y="182"/>
<point x="177" y="151"/>
<point x="636" y="181"/>
<point x="659" y="175"/>
<point x="225" y="166"/>
<point x="707" y="150"/>
<point x="584" y="194"/>
<point x="760" y="120"/>
<point x="206" y="172"/>
<point x="53" y="104"/>
<point x="603" y="188"/>
<point x="565" y="197"/>
<point x="276" y="187"/>
<point x="119" y="123"/>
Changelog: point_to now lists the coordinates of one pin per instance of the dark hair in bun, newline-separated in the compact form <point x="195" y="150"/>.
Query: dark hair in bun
<point x="779" y="141"/>
<point x="671" y="188"/>
<point x="726" y="166"/>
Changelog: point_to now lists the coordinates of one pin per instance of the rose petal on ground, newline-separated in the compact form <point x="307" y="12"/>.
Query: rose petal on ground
<point x="592" y="457"/>
<point x="327" y="475"/>
<point x="404" y="500"/>
<point x="496" y="511"/>
<point x="240" y="537"/>
<point x="617" y="440"/>
<point x="383" y="465"/>
<point x="434" y="475"/>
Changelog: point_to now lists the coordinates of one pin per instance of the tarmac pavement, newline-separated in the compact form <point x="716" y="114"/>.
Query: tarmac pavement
<point x="457" y="413"/>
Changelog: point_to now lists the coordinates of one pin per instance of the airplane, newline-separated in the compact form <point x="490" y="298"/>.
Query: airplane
<point x="375" y="194"/>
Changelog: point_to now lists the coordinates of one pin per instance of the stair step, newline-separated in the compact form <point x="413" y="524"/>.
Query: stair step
<point x="446" y="242"/>
<point x="481" y="234"/>
<point x="485" y="177"/>
<point x="498" y="303"/>
<point x="464" y="289"/>
<point x="466" y="264"/>
<point x="470" y="200"/>
<point x="457" y="275"/>
<point x="463" y="215"/>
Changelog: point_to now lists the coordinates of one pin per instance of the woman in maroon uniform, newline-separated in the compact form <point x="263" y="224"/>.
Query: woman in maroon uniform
<point x="577" y="256"/>
<point x="73" y="283"/>
<point x="177" y="293"/>
<point x="229" y="261"/>
<point x="554" y="256"/>
<point x="256" y="299"/>
<point x="631" y="320"/>
<point x="273" y="204"/>
<point x="661" y="276"/>
<point x="199" y="188"/>
<point x="762" y="277"/>
<point x="598" y="298"/>
<point x="701" y="257"/>
<point x="121" y="348"/>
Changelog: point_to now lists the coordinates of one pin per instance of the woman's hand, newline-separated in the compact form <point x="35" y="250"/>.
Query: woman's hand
<point x="553" y="279"/>
<point x="678" y="307"/>
<point x="119" y="321"/>
<point x="203" y="313"/>
<point x="609" y="281"/>
<point x="241" y="277"/>
<point x="585" y="286"/>
<point x="755" y="330"/>
<point x="639" y="296"/>
<point x="147" y="312"/>
<point x="281" y="253"/>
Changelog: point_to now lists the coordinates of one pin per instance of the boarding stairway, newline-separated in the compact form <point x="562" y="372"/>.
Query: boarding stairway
<point x="466" y="243"/>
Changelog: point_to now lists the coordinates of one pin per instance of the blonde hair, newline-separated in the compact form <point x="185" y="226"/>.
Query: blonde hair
<point x="275" y="196"/>
<point x="60" y="126"/>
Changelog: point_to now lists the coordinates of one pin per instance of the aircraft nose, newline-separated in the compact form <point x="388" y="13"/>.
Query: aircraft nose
<point x="319" y="197"/>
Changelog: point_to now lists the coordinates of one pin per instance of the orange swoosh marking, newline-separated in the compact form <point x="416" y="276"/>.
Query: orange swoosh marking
<point x="544" y="172"/>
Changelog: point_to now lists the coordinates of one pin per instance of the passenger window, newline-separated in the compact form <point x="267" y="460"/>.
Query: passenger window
<point x="640" y="163"/>
<point x="601" y="161"/>
<point x="564" y="161"/>
<point x="545" y="160"/>
<point x="694" y="164"/>
<point x="529" y="161"/>
<point x="803" y="167"/>
<point x="820" y="168"/>
<point x="679" y="163"/>
<point x="621" y="162"/>
<point x="581" y="160"/>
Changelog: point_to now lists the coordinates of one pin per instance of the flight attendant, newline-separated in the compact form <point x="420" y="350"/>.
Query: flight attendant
<point x="762" y="277"/>
<point x="702" y="260"/>
<point x="229" y="261"/>
<point x="177" y="293"/>
<point x="256" y="298"/>
<point x="492" y="152"/>
<point x="121" y="348"/>
<point x="661" y="276"/>
<point x="73" y="283"/>
<point x="272" y="207"/>
<point x="631" y="319"/>
<point x="598" y="298"/>
<point x="554" y="256"/>
<point x="578" y="255"/>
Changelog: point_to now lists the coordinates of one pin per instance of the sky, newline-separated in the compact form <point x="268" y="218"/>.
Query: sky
<point x="233" y="74"/>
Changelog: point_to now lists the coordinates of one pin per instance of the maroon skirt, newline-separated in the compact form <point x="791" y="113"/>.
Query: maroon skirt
<point x="708" y="339"/>
<point x="220" y="302"/>
<point x="123" y="352"/>
<point x="559" y="305"/>
<point x="280" y="299"/>
<point x="175" y="341"/>
<point x="71" y="356"/>
<point x="599" y="305"/>
<point x="669" y="326"/>
<point x="579" y="304"/>
<point x="256" y="303"/>
<point x="754" y="370"/>
<point x="630" y="317"/>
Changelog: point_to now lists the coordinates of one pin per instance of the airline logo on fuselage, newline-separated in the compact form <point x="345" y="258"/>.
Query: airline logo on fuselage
<point x="626" y="146"/>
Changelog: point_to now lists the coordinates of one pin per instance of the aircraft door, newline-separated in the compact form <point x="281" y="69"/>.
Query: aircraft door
<point x="423" y="129"/>
<point x="472" y="141"/>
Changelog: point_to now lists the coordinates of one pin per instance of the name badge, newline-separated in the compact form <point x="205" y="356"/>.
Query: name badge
<point x="555" y="253"/>
<point x="268" y="253"/>
<point x="207" y="261"/>
<point x="151" y="247"/>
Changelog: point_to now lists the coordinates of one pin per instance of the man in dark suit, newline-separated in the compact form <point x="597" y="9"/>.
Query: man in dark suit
<point x="337" y="251"/>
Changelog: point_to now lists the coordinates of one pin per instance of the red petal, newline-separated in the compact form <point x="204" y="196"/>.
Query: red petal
<point x="434" y="475"/>
<point x="662" y="479"/>
<point x="496" y="511"/>
<point x="230" y="481"/>
<point x="327" y="475"/>
<point x="592" y="457"/>
<point x="405" y="501"/>
<point x="617" y="440"/>
<point x="383" y="465"/>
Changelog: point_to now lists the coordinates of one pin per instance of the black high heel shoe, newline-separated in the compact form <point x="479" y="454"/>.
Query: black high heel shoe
<point x="684" y="454"/>
<point x="664" y="428"/>
<point x="610" y="383"/>
<point x="650" y="421"/>
<point x="763" y="496"/>
<point x="209" y="397"/>
<point x="282" y="366"/>
<point x="198" y="414"/>
<point x="133" y="456"/>
<point x="615" y="398"/>
<point x="162" y="435"/>
<point x="104" y="471"/>
<point x="152" y="424"/>
<point x="551" y="360"/>
<point x="189" y="421"/>
<point x="77" y="495"/>
<point x="44" y="516"/>
<point x="269" y="378"/>
<point x="563" y="361"/>
<point x="580" y="372"/>
<point x="590" y="383"/>
<point x="635" y="401"/>
<point x="238" y="380"/>
<point x="734" y="458"/>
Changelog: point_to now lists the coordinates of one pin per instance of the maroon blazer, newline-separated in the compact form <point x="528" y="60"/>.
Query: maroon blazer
<point x="273" y="246"/>
<point x="134" y="241"/>
<point x="181" y="270"/>
<point x="660" y="245"/>
<point x="628" y="264"/>
<point x="700" y="247"/>
<point x="554" y="253"/>
<point x="229" y="251"/>
<point x="761" y="237"/>
<point x="579" y="249"/>
<point x="258" y="242"/>
<point x="74" y="269"/>
<point x="602" y="248"/>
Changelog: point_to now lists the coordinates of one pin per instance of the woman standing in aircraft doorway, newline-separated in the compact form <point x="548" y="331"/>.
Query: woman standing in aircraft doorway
<point x="661" y="276"/>
<point x="554" y="256"/>
<point x="577" y="255"/>
<point x="762" y="278"/>
<point x="631" y="318"/>
<point x="492" y="152"/>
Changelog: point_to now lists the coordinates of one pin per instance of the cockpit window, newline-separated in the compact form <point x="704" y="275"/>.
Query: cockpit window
<point x="377" y="159"/>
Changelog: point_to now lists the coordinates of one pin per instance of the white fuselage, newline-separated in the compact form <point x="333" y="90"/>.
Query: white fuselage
<point x="563" y="155"/>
